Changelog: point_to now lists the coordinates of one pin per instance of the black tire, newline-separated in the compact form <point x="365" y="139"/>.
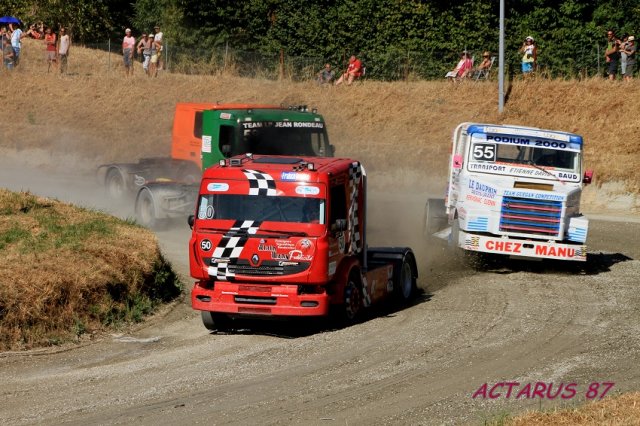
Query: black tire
<point x="146" y="210"/>
<point x="115" y="185"/>
<point x="214" y="321"/>
<point x="352" y="307"/>
<point x="404" y="279"/>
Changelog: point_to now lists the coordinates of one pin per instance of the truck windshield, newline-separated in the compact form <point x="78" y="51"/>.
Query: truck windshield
<point x="262" y="208"/>
<point x="513" y="159"/>
<point x="283" y="138"/>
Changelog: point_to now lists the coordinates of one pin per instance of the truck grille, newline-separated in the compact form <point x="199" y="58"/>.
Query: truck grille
<point x="266" y="268"/>
<point x="527" y="216"/>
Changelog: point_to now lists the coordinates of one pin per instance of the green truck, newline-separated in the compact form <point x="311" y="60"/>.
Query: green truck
<point x="164" y="188"/>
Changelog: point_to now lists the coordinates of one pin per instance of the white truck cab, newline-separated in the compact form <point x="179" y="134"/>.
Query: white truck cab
<point x="514" y="191"/>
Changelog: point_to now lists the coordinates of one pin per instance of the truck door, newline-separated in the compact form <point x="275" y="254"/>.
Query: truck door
<point x="218" y="137"/>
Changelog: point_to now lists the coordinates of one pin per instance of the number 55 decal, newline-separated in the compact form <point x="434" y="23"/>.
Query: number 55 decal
<point x="484" y="152"/>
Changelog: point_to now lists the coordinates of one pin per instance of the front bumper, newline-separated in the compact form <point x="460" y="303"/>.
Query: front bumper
<point x="523" y="248"/>
<point x="244" y="299"/>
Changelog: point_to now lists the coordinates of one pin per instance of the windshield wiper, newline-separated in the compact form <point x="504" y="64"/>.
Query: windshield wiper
<point x="284" y="233"/>
<point x="531" y="163"/>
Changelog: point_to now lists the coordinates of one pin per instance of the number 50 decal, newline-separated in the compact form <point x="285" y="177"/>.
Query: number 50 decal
<point x="484" y="152"/>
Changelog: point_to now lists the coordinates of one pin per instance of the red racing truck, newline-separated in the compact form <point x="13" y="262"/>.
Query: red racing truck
<point x="276" y="236"/>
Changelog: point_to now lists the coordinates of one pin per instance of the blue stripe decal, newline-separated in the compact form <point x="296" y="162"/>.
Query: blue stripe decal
<point x="479" y="224"/>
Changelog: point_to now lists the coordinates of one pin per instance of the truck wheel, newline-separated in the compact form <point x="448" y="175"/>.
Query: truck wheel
<point x="404" y="277"/>
<point x="352" y="300"/>
<point x="114" y="184"/>
<point x="214" y="321"/>
<point x="146" y="210"/>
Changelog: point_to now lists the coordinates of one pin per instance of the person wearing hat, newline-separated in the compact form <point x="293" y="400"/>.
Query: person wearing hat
<point x="629" y="50"/>
<point x="529" y="57"/>
<point x="144" y="48"/>
<point x="128" y="44"/>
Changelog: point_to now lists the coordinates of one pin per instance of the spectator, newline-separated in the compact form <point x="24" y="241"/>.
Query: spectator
<point x="153" y="63"/>
<point x="33" y="32"/>
<point x="64" y="43"/>
<point x="623" y="54"/>
<point x="630" y="52"/>
<point x="462" y="69"/>
<point x="486" y="61"/>
<point x="612" y="54"/>
<point x="3" y="32"/>
<point x="326" y="75"/>
<point x="144" y="48"/>
<point x="50" y="53"/>
<point x="128" y="44"/>
<point x="158" y="38"/>
<point x="529" y="57"/>
<point x="16" y="43"/>
<point x="7" y="53"/>
<point x="354" y="70"/>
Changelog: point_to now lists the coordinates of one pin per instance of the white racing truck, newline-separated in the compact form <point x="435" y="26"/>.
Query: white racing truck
<point x="513" y="191"/>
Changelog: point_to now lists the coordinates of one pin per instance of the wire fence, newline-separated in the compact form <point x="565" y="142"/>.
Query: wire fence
<point x="393" y="65"/>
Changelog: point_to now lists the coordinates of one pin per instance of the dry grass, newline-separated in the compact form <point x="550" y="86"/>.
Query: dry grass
<point x="101" y="116"/>
<point x="618" y="411"/>
<point x="66" y="271"/>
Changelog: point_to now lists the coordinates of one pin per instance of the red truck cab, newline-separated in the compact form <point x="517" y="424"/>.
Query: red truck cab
<point x="278" y="236"/>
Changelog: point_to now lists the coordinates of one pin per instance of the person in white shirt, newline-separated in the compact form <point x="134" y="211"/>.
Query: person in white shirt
<point x="64" y="43"/>
<point x="157" y="38"/>
<point x="16" y="44"/>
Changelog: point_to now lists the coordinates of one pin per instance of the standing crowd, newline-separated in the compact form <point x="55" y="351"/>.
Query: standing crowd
<point x="620" y="52"/>
<point x="150" y="46"/>
<point x="57" y="46"/>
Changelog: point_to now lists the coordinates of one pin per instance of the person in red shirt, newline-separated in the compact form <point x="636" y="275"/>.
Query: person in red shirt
<point x="354" y="70"/>
<point x="50" y="53"/>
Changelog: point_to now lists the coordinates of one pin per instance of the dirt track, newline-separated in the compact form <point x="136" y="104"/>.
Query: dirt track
<point x="420" y="365"/>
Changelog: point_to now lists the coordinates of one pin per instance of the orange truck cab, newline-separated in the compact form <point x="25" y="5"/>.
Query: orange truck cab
<point x="285" y="236"/>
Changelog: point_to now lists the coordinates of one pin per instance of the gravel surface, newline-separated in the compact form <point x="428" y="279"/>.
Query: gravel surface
<point x="524" y="322"/>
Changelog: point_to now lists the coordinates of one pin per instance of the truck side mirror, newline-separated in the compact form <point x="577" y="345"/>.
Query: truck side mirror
<point x="588" y="177"/>
<point x="226" y="150"/>
<point x="339" y="225"/>
<point x="191" y="220"/>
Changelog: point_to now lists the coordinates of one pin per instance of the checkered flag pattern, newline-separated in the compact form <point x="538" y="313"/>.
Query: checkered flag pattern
<point x="355" y="176"/>
<point x="260" y="183"/>
<point x="230" y="247"/>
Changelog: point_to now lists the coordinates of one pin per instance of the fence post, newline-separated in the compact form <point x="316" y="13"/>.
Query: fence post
<point x="281" y="64"/>
<point x="166" y="60"/>
<point x="109" y="55"/>
<point x="226" y="53"/>
<point x="598" y="53"/>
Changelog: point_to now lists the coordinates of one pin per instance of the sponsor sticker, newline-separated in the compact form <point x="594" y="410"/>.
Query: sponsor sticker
<point x="218" y="187"/>
<point x="206" y="143"/>
<point x="289" y="176"/>
<point x="225" y="116"/>
<point x="307" y="190"/>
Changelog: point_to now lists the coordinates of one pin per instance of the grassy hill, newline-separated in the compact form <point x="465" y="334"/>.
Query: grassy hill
<point x="66" y="272"/>
<point x="401" y="129"/>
